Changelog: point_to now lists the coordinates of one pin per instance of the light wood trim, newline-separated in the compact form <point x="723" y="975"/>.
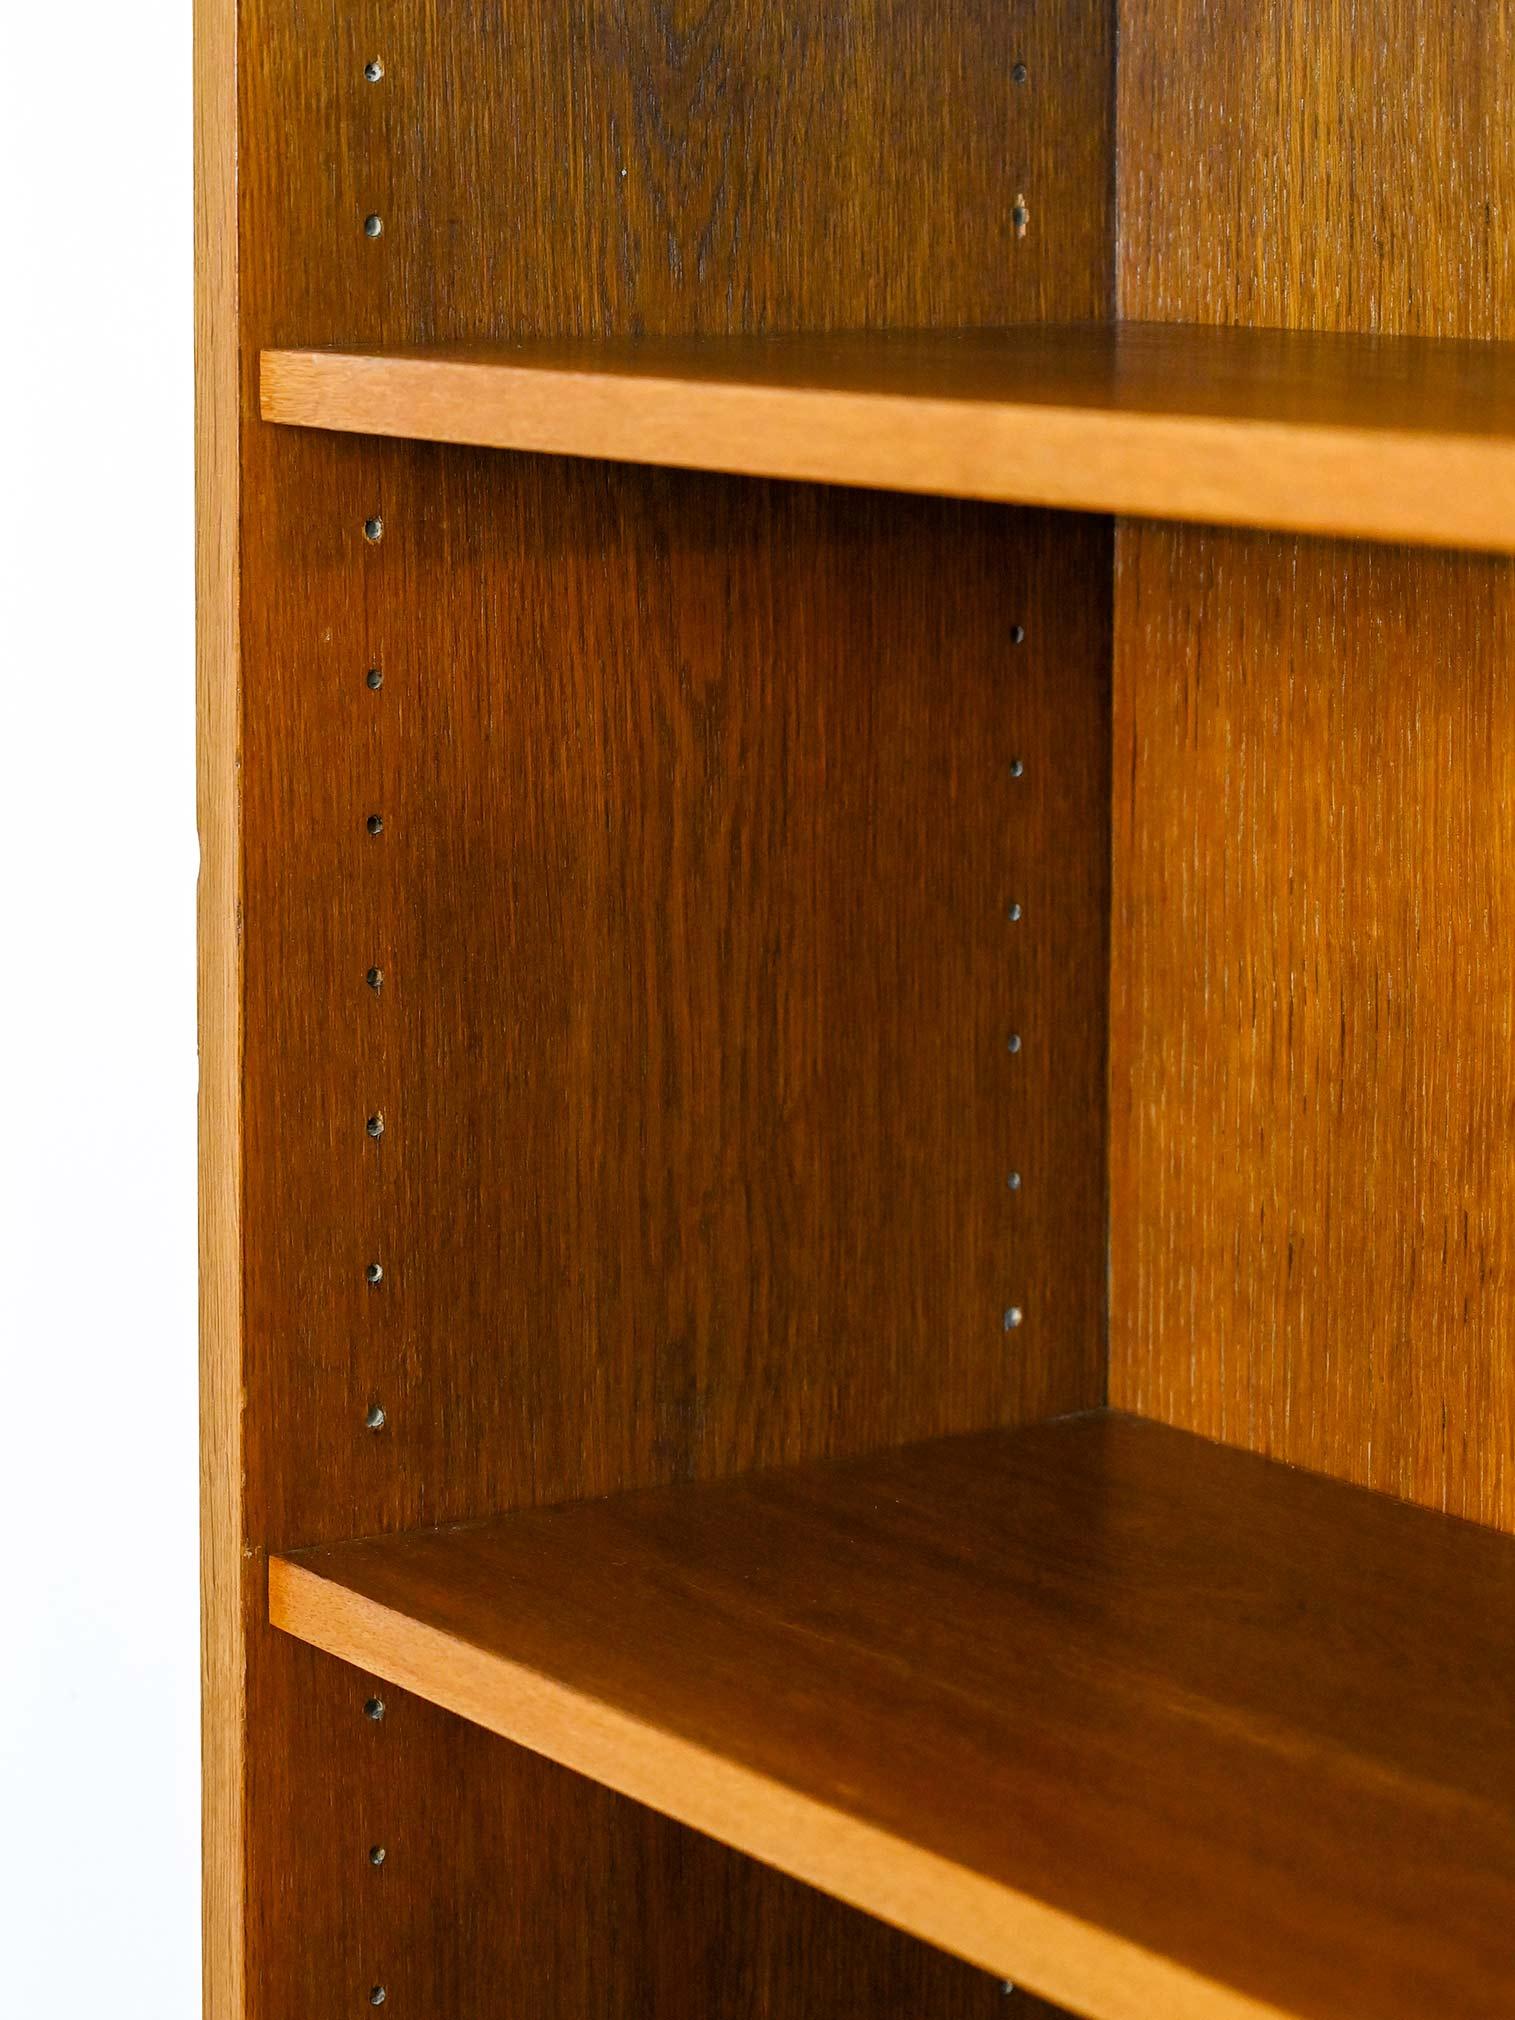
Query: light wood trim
<point x="218" y="502"/>
<point x="990" y="1924"/>
<point x="1306" y="434"/>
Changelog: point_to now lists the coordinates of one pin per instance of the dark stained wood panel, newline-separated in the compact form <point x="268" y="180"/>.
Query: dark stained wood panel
<point x="1318" y="164"/>
<point x="659" y="168"/>
<point x="1312" y="939"/>
<point x="564" y="723"/>
<point x="1156" y="1726"/>
<point x="1314" y="993"/>
<point x="693" y="1052"/>
<point x="1351" y="435"/>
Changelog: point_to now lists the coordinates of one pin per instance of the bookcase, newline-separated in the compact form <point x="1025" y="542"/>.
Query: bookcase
<point x="857" y="763"/>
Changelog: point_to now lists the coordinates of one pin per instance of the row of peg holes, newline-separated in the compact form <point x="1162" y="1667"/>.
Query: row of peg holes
<point x="373" y="1709"/>
<point x="373" y="533"/>
<point x="1014" y="1315"/>
<point x="374" y="1418"/>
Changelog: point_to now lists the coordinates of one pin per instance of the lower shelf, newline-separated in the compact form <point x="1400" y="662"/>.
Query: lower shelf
<point x="1145" y="1724"/>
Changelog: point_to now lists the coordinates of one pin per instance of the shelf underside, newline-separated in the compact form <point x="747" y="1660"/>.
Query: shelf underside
<point x="1378" y="438"/>
<point x="1146" y="1724"/>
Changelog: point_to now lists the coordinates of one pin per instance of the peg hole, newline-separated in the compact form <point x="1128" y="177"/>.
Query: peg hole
<point x="375" y="979"/>
<point x="1019" y="74"/>
<point x="375" y="1273"/>
<point x="1014" y="1181"/>
<point x="375" y="1126"/>
<point x="1017" y="769"/>
<point x="376" y="1855"/>
<point x="1017" y="634"/>
<point x="1020" y="217"/>
<point x="1014" y="915"/>
<point x="377" y="1996"/>
<point x="1015" y="1041"/>
<point x="374" y="1418"/>
<point x="1013" y="1318"/>
<point x="373" y="225"/>
<point x="373" y="69"/>
<point x="375" y="824"/>
<point x="374" y="676"/>
<point x="374" y="1709"/>
<point x="373" y="530"/>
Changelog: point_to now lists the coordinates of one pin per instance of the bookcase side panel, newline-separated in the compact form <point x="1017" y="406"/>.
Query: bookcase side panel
<point x="227" y="1597"/>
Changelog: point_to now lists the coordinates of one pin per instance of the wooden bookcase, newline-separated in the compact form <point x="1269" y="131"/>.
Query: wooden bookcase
<point x="858" y="976"/>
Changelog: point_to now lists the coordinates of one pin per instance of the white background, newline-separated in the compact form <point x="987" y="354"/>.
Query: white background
<point x="98" y="1610"/>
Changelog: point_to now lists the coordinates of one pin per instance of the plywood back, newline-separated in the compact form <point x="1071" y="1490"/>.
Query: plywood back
<point x="1313" y="936"/>
<point x="681" y="1121"/>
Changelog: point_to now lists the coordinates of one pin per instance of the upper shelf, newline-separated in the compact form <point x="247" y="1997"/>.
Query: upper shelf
<point x="1151" y="1726"/>
<point x="1377" y="438"/>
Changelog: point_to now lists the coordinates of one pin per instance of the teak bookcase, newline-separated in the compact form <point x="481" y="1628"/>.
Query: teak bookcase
<point x="858" y="796"/>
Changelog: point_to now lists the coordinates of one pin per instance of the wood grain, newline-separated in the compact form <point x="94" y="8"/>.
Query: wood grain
<point x="1311" y="940"/>
<point x="1318" y="164"/>
<point x="566" y="725"/>
<point x="655" y="169"/>
<point x="1120" y="1713"/>
<point x="1314" y="1000"/>
<point x="1343" y="435"/>
<point x="699" y="981"/>
<point x="225" y="1603"/>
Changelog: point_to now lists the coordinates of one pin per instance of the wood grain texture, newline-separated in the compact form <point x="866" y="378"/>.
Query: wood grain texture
<point x="564" y="723"/>
<point x="1318" y="164"/>
<point x="653" y="168"/>
<point x="1149" y="1724"/>
<point x="1360" y="436"/>
<point x="226" y="1606"/>
<point x="1311" y="938"/>
<point x="693" y="1050"/>
<point x="1313" y="1008"/>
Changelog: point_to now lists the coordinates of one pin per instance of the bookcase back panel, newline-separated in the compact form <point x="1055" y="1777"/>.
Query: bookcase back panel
<point x="675" y="1129"/>
<point x="1313" y="936"/>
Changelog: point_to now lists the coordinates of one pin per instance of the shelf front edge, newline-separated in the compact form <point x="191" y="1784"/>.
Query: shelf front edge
<point x="1316" y="478"/>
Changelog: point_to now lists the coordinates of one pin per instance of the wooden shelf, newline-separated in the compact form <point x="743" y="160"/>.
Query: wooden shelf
<point x="1149" y="1725"/>
<point x="1371" y="438"/>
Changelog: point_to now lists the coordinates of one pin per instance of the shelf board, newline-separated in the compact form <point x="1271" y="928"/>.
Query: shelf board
<point x="1375" y="438"/>
<point x="1146" y="1724"/>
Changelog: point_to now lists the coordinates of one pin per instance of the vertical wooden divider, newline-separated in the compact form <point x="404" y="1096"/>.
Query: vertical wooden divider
<point x="228" y="1597"/>
<point x="653" y="1046"/>
<point x="1313" y="939"/>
